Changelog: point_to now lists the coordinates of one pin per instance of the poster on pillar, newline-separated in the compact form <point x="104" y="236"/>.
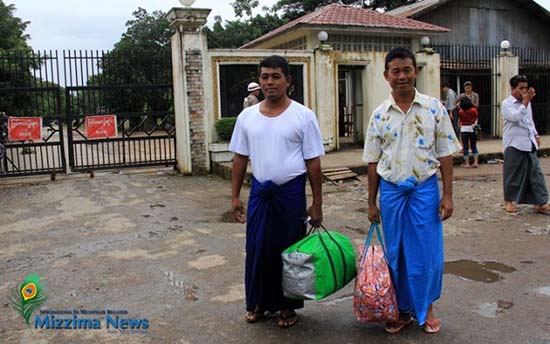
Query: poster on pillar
<point x="24" y="128"/>
<point x="101" y="127"/>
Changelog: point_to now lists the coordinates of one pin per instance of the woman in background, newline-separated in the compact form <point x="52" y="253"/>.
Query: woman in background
<point x="468" y="118"/>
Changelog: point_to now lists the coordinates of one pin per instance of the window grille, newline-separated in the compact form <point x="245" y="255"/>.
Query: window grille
<point x="367" y="43"/>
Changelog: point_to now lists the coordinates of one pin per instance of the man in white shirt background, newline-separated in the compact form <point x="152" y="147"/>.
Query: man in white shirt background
<point x="522" y="175"/>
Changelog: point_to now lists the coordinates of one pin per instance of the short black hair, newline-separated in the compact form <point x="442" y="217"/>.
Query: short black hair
<point x="399" y="53"/>
<point x="465" y="103"/>
<point x="516" y="79"/>
<point x="446" y="84"/>
<point x="275" y="61"/>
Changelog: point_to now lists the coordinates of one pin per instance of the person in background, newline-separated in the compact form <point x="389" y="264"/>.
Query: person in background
<point x="468" y="118"/>
<point x="252" y="98"/>
<point x="468" y="92"/>
<point x="523" y="179"/>
<point x="449" y="98"/>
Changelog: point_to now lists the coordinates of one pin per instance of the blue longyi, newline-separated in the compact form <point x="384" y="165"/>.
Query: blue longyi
<point x="413" y="234"/>
<point x="275" y="221"/>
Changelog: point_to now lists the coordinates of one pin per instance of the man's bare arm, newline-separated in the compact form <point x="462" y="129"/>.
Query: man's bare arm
<point x="315" y="211"/>
<point x="240" y="163"/>
<point x="446" y="204"/>
<point x="374" y="183"/>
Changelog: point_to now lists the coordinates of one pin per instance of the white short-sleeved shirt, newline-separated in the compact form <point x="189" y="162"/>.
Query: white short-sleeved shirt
<point x="409" y="144"/>
<point x="277" y="146"/>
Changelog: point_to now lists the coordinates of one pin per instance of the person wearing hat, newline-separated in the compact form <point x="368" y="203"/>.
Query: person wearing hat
<point x="252" y="98"/>
<point x="474" y="97"/>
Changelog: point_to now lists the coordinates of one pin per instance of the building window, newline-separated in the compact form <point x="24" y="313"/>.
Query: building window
<point x="367" y="43"/>
<point x="295" y="44"/>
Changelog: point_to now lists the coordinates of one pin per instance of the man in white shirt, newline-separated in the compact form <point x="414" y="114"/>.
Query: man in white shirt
<point x="522" y="176"/>
<point x="283" y="142"/>
<point x="410" y="137"/>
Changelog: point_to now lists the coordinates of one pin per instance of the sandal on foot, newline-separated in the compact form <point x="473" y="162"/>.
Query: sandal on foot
<point x="544" y="209"/>
<point x="511" y="209"/>
<point x="433" y="326"/>
<point x="286" y="321"/>
<point x="254" y="316"/>
<point x="397" y="326"/>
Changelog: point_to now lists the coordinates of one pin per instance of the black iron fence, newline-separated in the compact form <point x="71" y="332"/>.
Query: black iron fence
<point x="29" y="86"/>
<point x="461" y="63"/>
<point x="64" y="88"/>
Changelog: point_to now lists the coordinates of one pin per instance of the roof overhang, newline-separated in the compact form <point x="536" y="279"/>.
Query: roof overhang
<point x="361" y="30"/>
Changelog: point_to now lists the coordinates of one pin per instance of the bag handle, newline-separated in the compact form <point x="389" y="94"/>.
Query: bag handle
<point x="374" y="227"/>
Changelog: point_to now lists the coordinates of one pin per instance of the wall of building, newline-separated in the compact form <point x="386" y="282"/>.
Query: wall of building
<point x="488" y="22"/>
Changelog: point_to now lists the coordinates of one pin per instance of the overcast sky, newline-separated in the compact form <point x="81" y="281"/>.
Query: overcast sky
<point x="99" y="24"/>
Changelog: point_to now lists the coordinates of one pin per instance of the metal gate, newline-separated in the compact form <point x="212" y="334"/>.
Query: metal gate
<point x="460" y="63"/>
<point x="64" y="89"/>
<point x="29" y="87"/>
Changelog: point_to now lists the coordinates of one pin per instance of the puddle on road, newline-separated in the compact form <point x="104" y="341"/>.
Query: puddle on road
<point x="487" y="272"/>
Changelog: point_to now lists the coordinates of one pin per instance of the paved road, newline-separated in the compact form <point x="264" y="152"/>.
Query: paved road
<point x="162" y="247"/>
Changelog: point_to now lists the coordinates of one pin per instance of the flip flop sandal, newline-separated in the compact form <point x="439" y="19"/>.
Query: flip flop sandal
<point x="543" y="210"/>
<point x="395" y="327"/>
<point x="254" y="316"/>
<point x="511" y="210"/>
<point x="432" y="326"/>
<point x="286" y="322"/>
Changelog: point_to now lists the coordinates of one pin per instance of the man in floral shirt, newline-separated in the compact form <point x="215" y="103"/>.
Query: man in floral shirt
<point x="410" y="137"/>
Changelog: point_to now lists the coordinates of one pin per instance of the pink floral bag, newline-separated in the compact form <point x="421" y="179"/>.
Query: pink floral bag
<point x="374" y="299"/>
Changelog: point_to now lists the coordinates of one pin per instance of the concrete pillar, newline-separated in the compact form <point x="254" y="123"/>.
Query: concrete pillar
<point x="504" y="66"/>
<point x="189" y="50"/>
<point x="326" y="82"/>
<point x="428" y="80"/>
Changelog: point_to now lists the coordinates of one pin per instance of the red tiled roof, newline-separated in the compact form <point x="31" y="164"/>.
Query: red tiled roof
<point x="344" y="15"/>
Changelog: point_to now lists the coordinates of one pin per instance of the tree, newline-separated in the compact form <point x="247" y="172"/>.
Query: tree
<point x="141" y="59"/>
<point x="293" y="9"/>
<point x="236" y="32"/>
<point x="16" y="62"/>
<point x="12" y="29"/>
<point x="387" y="5"/>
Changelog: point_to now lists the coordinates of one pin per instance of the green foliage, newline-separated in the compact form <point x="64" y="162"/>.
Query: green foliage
<point x="141" y="57"/>
<point x="225" y="126"/>
<point x="242" y="7"/>
<point x="12" y="30"/>
<point x="293" y="9"/>
<point x="236" y="32"/>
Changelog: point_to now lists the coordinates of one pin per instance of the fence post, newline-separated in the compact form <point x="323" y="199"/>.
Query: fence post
<point x="429" y="78"/>
<point x="188" y="53"/>
<point x="504" y="66"/>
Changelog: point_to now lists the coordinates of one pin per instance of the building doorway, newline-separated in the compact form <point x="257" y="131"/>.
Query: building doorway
<point x="350" y="104"/>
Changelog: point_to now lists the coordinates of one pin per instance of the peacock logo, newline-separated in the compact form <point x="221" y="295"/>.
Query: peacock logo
<point x="29" y="297"/>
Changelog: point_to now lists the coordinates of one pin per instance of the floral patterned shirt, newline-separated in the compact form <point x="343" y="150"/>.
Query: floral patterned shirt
<point x="410" y="144"/>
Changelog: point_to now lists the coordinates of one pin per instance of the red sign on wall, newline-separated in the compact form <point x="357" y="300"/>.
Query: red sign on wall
<point x="24" y="128"/>
<point x="101" y="127"/>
